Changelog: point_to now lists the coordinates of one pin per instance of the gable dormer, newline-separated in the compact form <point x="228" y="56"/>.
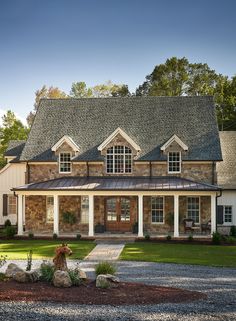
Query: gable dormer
<point x="119" y="151"/>
<point x="65" y="149"/>
<point x="174" y="148"/>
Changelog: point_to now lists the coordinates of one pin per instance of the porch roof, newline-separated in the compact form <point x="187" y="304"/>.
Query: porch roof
<point x="118" y="184"/>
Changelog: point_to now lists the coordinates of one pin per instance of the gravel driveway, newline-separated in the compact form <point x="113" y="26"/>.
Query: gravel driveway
<point x="218" y="283"/>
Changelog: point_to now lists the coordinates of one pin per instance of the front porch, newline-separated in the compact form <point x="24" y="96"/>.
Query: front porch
<point x="88" y="205"/>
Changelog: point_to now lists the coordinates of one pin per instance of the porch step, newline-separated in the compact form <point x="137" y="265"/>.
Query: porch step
<point x="114" y="240"/>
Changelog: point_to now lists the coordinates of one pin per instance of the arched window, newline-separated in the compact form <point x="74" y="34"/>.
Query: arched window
<point x="119" y="160"/>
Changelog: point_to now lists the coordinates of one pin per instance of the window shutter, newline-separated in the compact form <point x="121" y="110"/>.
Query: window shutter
<point x="220" y="214"/>
<point x="4" y="207"/>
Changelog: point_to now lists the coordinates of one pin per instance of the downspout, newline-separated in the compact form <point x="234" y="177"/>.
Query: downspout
<point x="213" y="173"/>
<point x="150" y="169"/>
<point x="87" y="166"/>
<point x="27" y="173"/>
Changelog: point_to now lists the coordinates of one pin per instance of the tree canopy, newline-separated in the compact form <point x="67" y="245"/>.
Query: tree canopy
<point x="11" y="129"/>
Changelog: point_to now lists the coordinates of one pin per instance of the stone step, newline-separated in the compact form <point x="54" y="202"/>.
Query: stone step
<point x="114" y="240"/>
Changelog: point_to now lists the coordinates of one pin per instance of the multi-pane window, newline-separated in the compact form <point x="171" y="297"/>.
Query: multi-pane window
<point x="193" y="209"/>
<point x="65" y="162"/>
<point x="84" y="209"/>
<point x="228" y="214"/>
<point x="49" y="209"/>
<point x="111" y="209"/>
<point x="125" y="209"/>
<point x="119" y="160"/>
<point x="174" y="162"/>
<point x="157" y="207"/>
<point x="12" y="204"/>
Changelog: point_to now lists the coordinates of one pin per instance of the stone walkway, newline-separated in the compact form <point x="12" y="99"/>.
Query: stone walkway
<point x="105" y="252"/>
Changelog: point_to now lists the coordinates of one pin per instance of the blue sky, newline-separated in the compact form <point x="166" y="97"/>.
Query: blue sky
<point x="57" y="42"/>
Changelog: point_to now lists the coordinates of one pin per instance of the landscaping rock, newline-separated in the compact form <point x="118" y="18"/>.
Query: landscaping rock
<point x="26" y="277"/>
<point x="12" y="269"/>
<point x="61" y="279"/>
<point x="106" y="281"/>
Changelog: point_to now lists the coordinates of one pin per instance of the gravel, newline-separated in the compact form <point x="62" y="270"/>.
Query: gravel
<point x="218" y="283"/>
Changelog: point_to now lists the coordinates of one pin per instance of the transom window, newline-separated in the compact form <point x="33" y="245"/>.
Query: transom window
<point x="12" y="204"/>
<point x="119" y="160"/>
<point x="49" y="209"/>
<point x="84" y="209"/>
<point x="193" y="209"/>
<point x="65" y="162"/>
<point x="157" y="208"/>
<point x="174" y="162"/>
<point x="228" y="214"/>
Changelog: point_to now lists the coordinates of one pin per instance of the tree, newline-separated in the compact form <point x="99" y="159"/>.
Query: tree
<point x="11" y="129"/>
<point x="80" y="90"/>
<point x="179" y="77"/>
<point x="44" y="92"/>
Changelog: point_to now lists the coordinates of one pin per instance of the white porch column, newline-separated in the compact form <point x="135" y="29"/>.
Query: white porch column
<point x="20" y="214"/>
<point x="176" y="215"/>
<point x="56" y="215"/>
<point x="140" y="216"/>
<point x="213" y="213"/>
<point x="91" y="215"/>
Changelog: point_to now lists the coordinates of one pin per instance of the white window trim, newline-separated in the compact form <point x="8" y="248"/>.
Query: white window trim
<point x="8" y="205"/>
<point x="124" y="135"/>
<point x="228" y="223"/>
<point x="124" y="173"/>
<point x="199" y="198"/>
<point x="59" y="163"/>
<point x="180" y="163"/>
<point x="176" y="139"/>
<point x="163" y="200"/>
<point x="47" y="220"/>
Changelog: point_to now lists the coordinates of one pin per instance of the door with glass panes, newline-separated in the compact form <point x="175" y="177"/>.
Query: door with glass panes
<point x="118" y="214"/>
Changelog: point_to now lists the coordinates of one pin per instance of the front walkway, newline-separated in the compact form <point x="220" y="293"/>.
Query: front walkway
<point x="105" y="252"/>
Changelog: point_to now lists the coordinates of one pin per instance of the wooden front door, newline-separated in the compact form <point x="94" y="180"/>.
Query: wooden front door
<point x="118" y="214"/>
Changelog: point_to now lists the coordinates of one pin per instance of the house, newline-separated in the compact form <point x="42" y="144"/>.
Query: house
<point x="226" y="172"/>
<point x="13" y="174"/>
<point x="110" y="164"/>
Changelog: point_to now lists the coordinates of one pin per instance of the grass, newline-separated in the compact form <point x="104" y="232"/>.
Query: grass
<point x="212" y="255"/>
<point x="18" y="249"/>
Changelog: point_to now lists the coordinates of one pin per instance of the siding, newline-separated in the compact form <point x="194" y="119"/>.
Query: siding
<point x="12" y="175"/>
<point x="229" y="198"/>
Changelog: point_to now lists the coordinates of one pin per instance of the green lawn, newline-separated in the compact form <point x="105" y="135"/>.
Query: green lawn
<point x="212" y="255"/>
<point x="18" y="249"/>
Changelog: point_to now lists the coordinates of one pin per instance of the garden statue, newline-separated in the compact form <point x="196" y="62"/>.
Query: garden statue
<point x="59" y="259"/>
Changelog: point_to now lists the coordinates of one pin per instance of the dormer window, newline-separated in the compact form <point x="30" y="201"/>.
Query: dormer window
<point x="174" y="162"/>
<point x="119" y="160"/>
<point x="65" y="162"/>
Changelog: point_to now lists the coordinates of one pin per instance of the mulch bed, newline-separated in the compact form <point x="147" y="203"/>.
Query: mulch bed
<point x="123" y="294"/>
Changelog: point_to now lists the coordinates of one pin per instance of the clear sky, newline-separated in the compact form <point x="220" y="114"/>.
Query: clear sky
<point x="57" y="42"/>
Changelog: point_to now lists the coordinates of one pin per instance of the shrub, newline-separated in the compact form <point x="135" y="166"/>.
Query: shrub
<point x="69" y="218"/>
<point x="9" y="232"/>
<point x="7" y="223"/>
<point x="147" y="237"/>
<point x="2" y="276"/>
<point x="216" y="238"/>
<point x="231" y="240"/>
<point x="46" y="272"/>
<point x="29" y="260"/>
<point x="3" y="260"/>
<point x="168" y="237"/>
<point x="31" y="235"/>
<point x="74" y="276"/>
<point x="54" y="236"/>
<point x="190" y="237"/>
<point x="78" y="236"/>
<point x="105" y="268"/>
<point x="233" y="231"/>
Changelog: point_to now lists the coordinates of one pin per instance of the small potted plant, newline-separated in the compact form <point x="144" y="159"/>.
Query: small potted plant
<point x="99" y="228"/>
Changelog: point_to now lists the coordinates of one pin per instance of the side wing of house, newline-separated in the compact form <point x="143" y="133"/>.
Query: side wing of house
<point x="226" y="172"/>
<point x="13" y="174"/>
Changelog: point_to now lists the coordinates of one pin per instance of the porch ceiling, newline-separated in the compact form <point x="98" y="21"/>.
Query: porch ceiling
<point x="118" y="184"/>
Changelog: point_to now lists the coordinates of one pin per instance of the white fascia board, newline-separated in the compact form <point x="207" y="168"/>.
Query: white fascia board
<point x="68" y="140"/>
<point x="176" y="139"/>
<point x="124" y="135"/>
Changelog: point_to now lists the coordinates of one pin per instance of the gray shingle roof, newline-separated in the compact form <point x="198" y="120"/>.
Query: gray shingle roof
<point x="15" y="148"/>
<point x="149" y="121"/>
<point x="226" y="170"/>
<point x="119" y="184"/>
